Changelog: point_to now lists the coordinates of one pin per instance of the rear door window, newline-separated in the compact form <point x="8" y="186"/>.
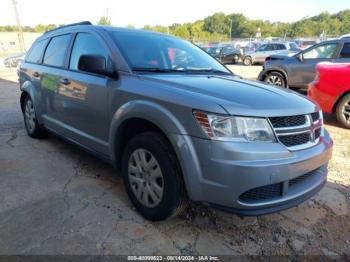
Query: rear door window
<point x="56" y="51"/>
<point x="345" y="52"/>
<point x="35" y="54"/>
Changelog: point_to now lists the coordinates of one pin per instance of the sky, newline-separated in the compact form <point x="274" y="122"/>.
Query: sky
<point x="160" y="12"/>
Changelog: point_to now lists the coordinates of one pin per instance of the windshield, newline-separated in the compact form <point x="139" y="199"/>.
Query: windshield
<point x="156" y="53"/>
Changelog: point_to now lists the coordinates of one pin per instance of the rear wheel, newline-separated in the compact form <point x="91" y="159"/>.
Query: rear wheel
<point x="275" y="78"/>
<point x="247" y="61"/>
<point x="152" y="177"/>
<point x="343" y="111"/>
<point x="30" y="121"/>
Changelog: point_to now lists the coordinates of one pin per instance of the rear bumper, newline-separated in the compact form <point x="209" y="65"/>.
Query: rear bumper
<point x="228" y="171"/>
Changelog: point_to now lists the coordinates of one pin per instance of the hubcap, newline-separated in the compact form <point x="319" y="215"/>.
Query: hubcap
<point x="30" y="115"/>
<point x="346" y="111"/>
<point x="274" y="80"/>
<point x="145" y="178"/>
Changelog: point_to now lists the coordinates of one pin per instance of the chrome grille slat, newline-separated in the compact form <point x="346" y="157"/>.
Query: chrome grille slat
<point x="299" y="131"/>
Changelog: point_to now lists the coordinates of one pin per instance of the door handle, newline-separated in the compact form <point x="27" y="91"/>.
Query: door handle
<point x="35" y="74"/>
<point x="64" y="81"/>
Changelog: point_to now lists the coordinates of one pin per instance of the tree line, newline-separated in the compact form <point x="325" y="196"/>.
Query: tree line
<point x="221" y="27"/>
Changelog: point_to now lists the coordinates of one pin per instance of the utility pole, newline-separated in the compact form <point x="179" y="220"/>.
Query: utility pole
<point x="20" y="32"/>
<point x="230" y="30"/>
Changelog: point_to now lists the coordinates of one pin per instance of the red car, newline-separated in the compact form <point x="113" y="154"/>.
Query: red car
<point x="331" y="90"/>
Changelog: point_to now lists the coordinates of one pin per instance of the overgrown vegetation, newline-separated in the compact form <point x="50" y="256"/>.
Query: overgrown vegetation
<point x="220" y="27"/>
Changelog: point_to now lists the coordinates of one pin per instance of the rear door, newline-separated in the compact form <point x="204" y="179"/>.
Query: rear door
<point x="227" y="54"/>
<point x="264" y="51"/>
<point x="302" y="72"/>
<point x="54" y="63"/>
<point x="83" y="97"/>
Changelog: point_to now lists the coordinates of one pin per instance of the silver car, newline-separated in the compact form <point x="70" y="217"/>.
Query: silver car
<point x="176" y="123"/>
<point x="260" y="54"/>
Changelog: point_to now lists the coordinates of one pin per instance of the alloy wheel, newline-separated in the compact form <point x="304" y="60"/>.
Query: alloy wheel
<point x="346" y="111"/>
<point x="145" y="178"/>
<point x="274" y="80"/>
<point x="30" y="115"/>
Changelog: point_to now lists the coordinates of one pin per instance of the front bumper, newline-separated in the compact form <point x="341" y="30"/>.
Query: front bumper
<point x="230" y="170"/>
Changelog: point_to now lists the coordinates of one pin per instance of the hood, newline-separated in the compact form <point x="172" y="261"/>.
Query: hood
<point x="238" y="96"/>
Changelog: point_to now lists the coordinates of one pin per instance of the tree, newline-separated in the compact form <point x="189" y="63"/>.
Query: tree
<point x="104" y="20"/>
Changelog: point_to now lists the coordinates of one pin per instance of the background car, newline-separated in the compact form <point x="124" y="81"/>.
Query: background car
<point x="13" y="61"/>
<point x="225" y="54"/>
<point x="331" y="90"/>
<point x="299" y="70"/>
<point x="265" y="50"/>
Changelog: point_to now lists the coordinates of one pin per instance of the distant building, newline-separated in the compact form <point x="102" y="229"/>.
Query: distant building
<point x="9" y="42"/>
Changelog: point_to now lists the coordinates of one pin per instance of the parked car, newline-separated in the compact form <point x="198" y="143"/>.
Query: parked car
<point x="14" y="60"/>
<point x="299" y="70"/>
<point x="259" y="55"/>
<point x="331" y="90"/>
<point x="225" y="54"/>
<point x="178" y="129"/>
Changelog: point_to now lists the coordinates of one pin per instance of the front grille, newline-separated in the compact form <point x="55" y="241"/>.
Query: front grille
<point x="262" y="193"/>
<point x="317" y="133"/>
<point x="301" y="178"/>
<point x="315" y="116"/>
<point x="276" y="190"/>
<point x="299" y="131"/>
<point x="294" y="140"/>
<point x="288" y="121"/>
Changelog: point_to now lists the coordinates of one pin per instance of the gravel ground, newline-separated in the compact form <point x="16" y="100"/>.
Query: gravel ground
<point x="56" y="199"/>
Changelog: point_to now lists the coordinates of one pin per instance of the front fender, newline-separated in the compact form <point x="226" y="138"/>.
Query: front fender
<point x="265" y="71"/>
<point x="171" y="127"/>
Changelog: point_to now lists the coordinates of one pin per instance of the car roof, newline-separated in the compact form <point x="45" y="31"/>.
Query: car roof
<point x="88" y="26"/>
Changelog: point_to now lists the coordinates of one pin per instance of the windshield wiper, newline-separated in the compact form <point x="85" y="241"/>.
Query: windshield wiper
<point x="206" y="70"/>
<point x="154" y="69"/>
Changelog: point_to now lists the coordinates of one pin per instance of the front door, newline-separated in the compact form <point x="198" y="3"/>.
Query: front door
<point x="83" y="96"/>
<point x="303" y="71"/>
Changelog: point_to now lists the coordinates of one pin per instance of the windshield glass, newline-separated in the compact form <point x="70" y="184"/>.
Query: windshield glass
<point x="155" y="52"/>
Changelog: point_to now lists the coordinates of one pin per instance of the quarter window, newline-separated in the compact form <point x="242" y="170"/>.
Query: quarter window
<point x="86" y="44"/>
<point x="345" y="52"/>
<point x="321" y="51"/>
<point x="56" y="51"/>
<point x="35" y="54"/>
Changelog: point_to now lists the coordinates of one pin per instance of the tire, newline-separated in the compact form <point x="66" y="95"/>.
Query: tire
<point x="247" y="61"/>
<point x="163" y="173"/>
<point x="343" y="111"/>
<point x="275" y="78"/>
<point x="30" y="121"/>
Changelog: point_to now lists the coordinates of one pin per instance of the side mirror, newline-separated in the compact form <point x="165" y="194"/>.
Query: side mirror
<point x="301" y="57"/>
<point x="96" y="64"/>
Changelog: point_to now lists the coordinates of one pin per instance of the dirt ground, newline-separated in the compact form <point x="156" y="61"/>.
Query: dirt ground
<point x="57" y="199"/>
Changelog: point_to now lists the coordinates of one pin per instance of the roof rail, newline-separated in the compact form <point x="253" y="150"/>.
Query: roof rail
<point x="69" y="25"/>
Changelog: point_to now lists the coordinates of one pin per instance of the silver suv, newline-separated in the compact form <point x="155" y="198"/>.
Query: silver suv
<point x="259" y="55"/>
<point x="178" y="124"/>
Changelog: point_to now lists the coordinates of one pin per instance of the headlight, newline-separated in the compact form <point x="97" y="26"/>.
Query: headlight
<point x="235" y="128"/>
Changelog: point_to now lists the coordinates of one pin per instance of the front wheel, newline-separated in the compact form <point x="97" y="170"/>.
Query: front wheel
<point x="275" y="78"/>
<point x="343" y="111"/>
<point x="152" y="177"/>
